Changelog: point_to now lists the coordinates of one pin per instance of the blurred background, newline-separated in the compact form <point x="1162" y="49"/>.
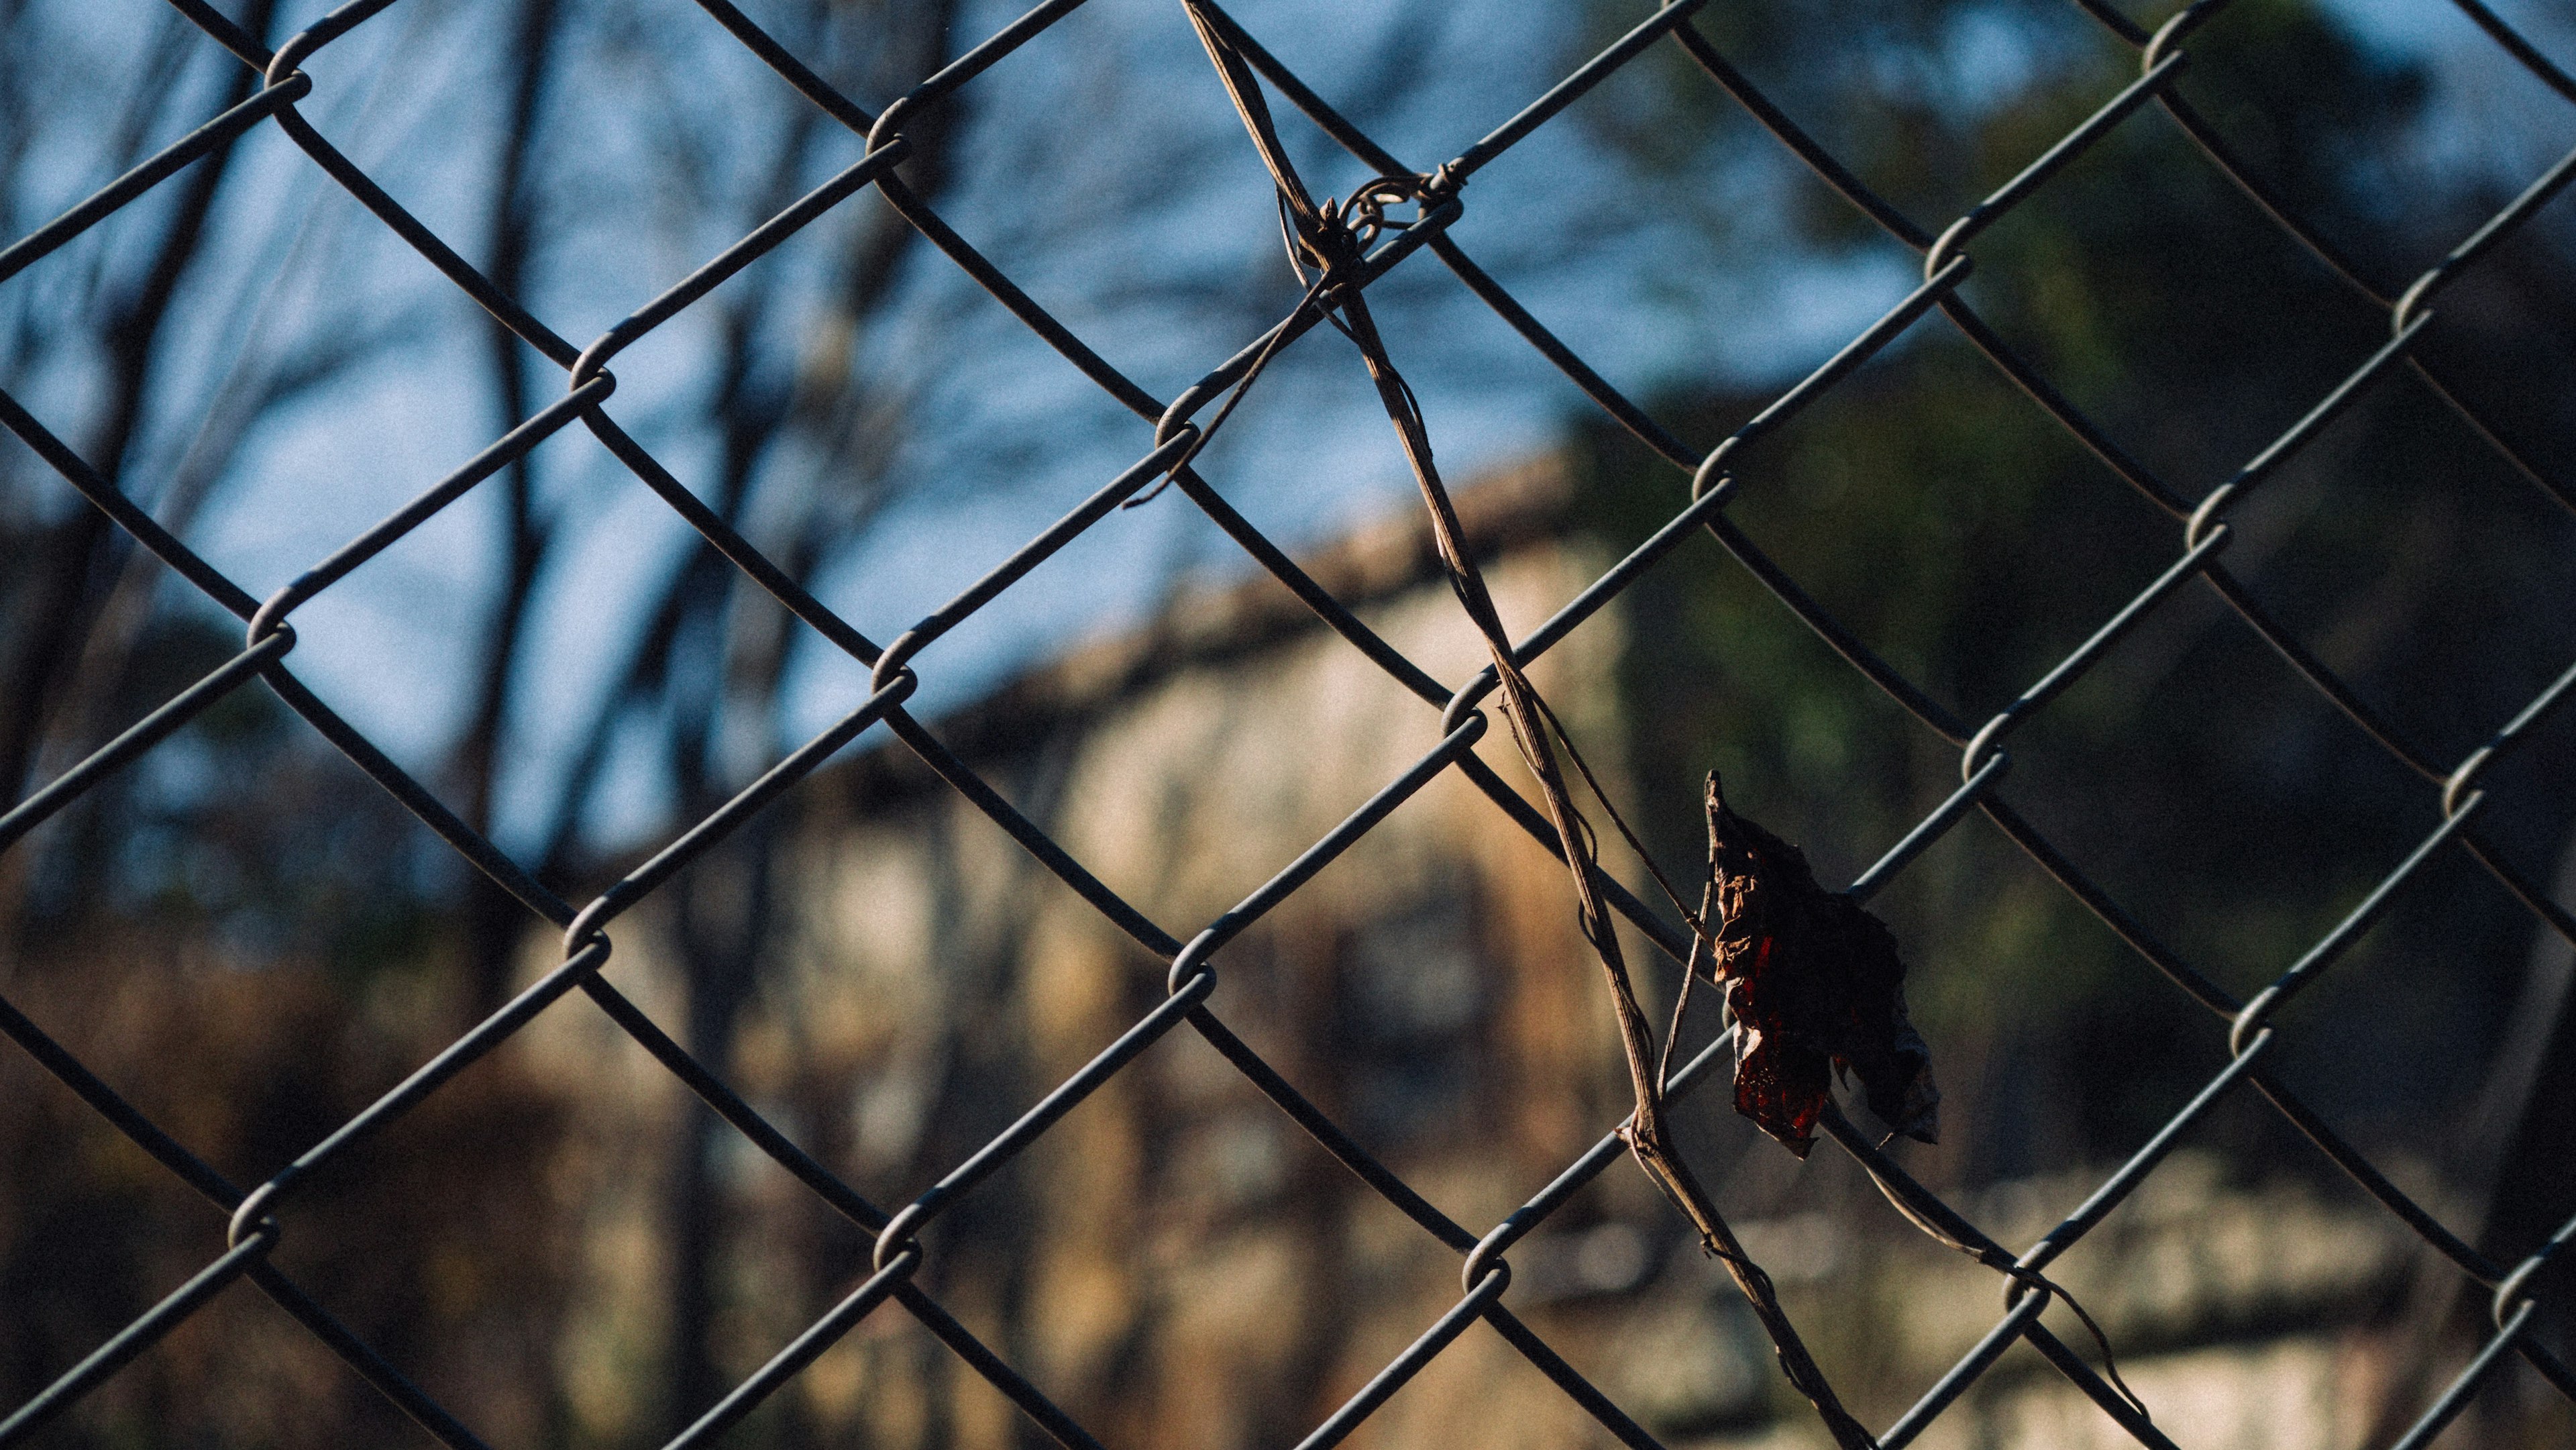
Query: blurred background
<point x="251" y="941"/>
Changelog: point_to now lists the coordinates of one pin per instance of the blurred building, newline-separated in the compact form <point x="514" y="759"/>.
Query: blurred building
<point x="1176" y="1263"/>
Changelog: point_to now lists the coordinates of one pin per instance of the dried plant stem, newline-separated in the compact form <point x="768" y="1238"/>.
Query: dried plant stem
<point x="1646" y="1133"/>
<point x="1320" y="236"/>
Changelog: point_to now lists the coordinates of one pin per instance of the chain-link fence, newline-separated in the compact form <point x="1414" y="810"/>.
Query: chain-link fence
<point x="1342" y="248"/>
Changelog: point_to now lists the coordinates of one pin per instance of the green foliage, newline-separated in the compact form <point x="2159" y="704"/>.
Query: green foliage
<point x="1973" y="542"/>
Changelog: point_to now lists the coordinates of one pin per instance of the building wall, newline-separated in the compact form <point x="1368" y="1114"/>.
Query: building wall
<point x="1174" y="1262"/>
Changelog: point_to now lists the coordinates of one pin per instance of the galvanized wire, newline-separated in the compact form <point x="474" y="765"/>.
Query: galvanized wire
<point x="261" y="1214"/>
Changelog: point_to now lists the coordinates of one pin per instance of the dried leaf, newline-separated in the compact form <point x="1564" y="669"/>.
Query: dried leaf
<point x="1816" y="987"/>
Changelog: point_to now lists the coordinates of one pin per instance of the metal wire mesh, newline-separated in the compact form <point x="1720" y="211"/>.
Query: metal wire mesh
<point x="260" y="1214"/>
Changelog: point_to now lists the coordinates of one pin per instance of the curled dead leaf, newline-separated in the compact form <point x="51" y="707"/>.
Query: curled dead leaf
<point x="1816" y="987"/>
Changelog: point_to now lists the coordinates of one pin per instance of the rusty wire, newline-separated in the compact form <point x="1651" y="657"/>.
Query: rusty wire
<point x="1360" y="243"/>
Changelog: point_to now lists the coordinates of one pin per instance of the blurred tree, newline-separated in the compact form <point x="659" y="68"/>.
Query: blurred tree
<point x="1973" y="541"/>
<point x="91" y="640"/>
<point x="581" y="156"/>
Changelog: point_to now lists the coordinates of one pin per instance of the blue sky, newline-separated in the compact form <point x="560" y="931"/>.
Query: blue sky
<point x="406" y="96"/>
